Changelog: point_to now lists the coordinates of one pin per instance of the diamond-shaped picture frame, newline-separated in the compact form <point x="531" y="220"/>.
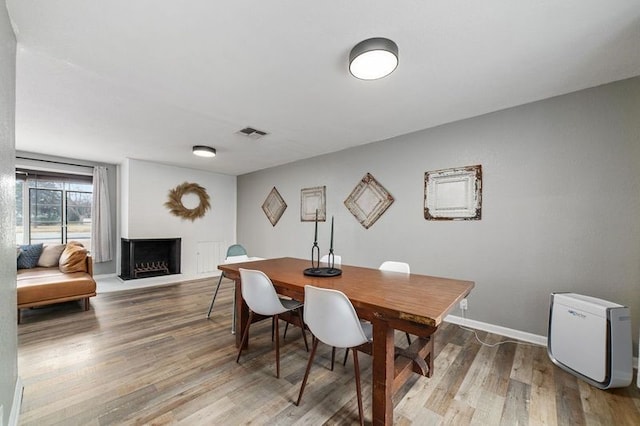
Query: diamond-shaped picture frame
<point x="368" y="201"/>
<point x="274" y="206"/>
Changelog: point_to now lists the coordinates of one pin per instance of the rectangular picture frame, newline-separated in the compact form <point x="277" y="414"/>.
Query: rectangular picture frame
<point x="453" y="194"/>
<point x="312" y="199"/>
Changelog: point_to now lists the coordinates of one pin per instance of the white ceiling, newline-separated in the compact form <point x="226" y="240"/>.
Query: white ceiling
<point x="147" y="79"/>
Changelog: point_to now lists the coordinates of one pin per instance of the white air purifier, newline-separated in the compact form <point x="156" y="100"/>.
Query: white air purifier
<point x="591" y="338"/>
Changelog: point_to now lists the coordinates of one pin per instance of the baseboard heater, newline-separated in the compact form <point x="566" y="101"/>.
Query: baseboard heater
<point x="591" y="339"/>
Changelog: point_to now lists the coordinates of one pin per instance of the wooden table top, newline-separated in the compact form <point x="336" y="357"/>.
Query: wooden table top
<point x="418" y="298"/>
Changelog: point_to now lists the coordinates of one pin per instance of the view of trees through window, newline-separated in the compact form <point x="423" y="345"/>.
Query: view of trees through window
<point x="53" y="210"/>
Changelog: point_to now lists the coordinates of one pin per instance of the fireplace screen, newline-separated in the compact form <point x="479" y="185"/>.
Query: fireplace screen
<point x="143" y="258"/>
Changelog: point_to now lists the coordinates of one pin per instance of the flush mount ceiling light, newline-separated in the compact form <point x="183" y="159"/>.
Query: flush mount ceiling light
<point x="204" y="151"/>
<point x="373" y="58"/>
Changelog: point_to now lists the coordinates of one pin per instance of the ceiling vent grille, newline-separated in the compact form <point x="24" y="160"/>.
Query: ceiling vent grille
<point x="251" y="132"/>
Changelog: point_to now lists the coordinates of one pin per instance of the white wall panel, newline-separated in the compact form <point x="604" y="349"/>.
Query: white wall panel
<point x="209" y="255"/>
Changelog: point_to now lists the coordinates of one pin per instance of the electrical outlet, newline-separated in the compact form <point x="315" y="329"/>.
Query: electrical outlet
<point x="463" y="304"/>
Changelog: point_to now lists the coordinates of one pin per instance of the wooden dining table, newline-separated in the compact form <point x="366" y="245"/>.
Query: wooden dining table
<point x="391" y="301"/>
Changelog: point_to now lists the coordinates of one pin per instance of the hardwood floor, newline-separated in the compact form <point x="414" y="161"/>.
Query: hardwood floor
<point x="150" y="356"/>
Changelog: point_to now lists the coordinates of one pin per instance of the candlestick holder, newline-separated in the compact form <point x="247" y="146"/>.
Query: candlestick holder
<point x="331" y="259"/>
<point x="316" y="270"/>
<point x="315" y="256"/>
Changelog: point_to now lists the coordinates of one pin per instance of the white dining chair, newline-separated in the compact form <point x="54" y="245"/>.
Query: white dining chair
<point x="324" y="260"/>
<point x="261" y="298"/>
<point x="332" y="320"/>
<point x="393" y="266"/>
<point x="337" y="260"/>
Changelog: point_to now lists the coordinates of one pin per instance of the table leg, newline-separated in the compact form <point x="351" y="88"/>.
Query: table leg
<point x="242" y="314"/>
<point x="383" y="372"/>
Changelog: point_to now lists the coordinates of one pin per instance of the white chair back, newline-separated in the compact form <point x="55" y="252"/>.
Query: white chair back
<point x="337" y="260"/>
<point x="236" y="250"/>
<point x="331" y="317"/>
<point x="259" y="294"/>
<point x="393" y="266"/>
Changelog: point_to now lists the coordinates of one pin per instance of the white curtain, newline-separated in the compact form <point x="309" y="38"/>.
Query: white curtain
<point x="101" y="245"/>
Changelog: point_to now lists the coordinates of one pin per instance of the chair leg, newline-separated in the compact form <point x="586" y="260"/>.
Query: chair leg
<point x="346" y="355"/>
<point x="408" y="338"/>
<point x="275" y="319"/>
<point x="245" y="335"/>
<point x="356" y="367"/>
<point x="233" y="315"/>
<point x="306" y="373"/>
<point x="273" y="327"/>
<point x="215" y="293"/>
<point x="304" y="334"/>
<point x="333" y="356"/>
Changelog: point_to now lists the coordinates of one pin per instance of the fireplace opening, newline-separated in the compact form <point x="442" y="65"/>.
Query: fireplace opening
<point x="151" y="257"/>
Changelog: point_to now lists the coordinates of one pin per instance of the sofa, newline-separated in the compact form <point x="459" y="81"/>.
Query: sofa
<point x="49" y="274"/>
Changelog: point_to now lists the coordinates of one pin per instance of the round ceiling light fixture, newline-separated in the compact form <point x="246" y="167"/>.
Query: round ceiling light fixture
<point x="204" y="151"/>
<point x="373" y="58"/>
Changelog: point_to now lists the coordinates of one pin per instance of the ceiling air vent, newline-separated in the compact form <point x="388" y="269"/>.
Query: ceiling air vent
<point x="252" y="133"/>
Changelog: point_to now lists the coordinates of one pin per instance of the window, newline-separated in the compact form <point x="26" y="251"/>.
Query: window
<point x="53" y="208"/>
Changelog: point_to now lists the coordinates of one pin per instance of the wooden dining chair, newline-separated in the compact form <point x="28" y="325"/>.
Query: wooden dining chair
<point x="261" y="298"/>
<point x="332" y="320"/>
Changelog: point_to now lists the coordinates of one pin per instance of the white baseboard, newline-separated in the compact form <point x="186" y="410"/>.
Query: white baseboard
<point x="17" y="404"/>
<point x="496" y="329"/>
<point x="104" y="276"/>
<point x="507" y="332"/>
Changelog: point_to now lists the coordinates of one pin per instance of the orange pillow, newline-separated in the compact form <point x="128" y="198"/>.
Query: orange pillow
<point x="73" y="258"/>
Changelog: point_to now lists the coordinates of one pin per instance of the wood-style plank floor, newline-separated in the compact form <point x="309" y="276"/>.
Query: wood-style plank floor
<point x="150" y="356"/>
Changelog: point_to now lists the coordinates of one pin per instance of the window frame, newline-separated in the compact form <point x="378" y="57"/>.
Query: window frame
<point x="28" y="179"/>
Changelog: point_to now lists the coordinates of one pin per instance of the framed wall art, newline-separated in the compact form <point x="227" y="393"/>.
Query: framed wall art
<point x="453" y="194"/>
<point x="312" y="200"/>
<point x="274" y="206"/>
<point x="368" y="201"/>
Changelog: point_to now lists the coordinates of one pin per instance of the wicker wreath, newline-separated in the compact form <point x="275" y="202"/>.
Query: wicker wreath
<point x="176" y="207"/>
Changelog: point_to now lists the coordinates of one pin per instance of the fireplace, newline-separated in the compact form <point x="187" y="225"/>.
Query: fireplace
<point x="143" y="258"/>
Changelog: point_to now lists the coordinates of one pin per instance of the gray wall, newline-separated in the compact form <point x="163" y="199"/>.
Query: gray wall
<point x="561" y="203"/>
<point x="8" y="328"/>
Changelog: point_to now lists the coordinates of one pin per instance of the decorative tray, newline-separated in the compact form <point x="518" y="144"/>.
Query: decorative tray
<point x="323" y="272"/>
